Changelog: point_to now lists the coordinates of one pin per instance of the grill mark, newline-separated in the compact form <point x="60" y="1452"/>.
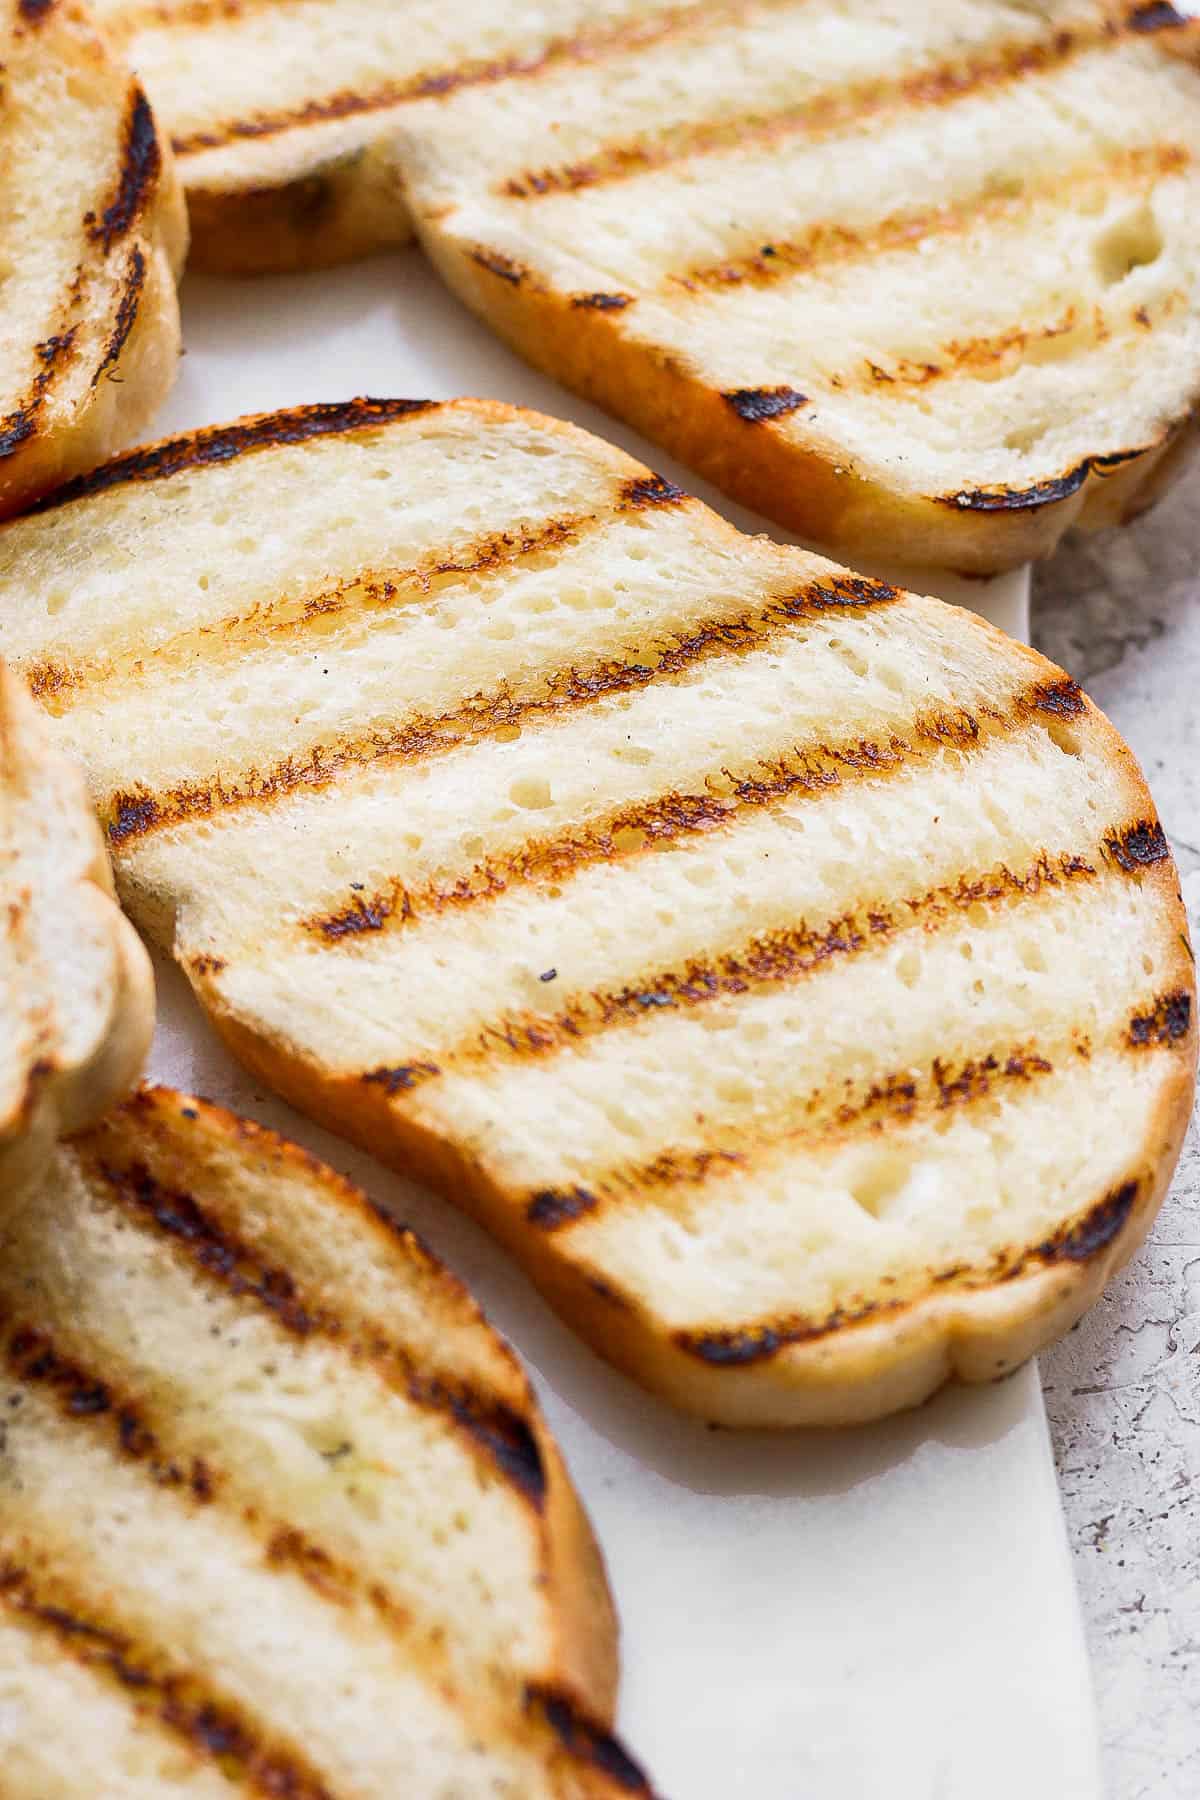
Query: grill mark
<point x="1138" y="846"/>
<point x="185" y="1702"/>
<point x="503" y="1435"/>
<point x="829" y="113"/>
<point x="127" y="312"/>
<point x="771" y="959"/>
<point x="830" y="242"/>
<point x="132" y="814"/>
<point x="1168" y="1021"/>
<point x="1042" y="493"/>
<point x="221" y="444"/>
<point x="757" y="405"/>
<point x="20" y="424"/>
<point x="585" y="47"/>
<point x="1070" y="334"/>
<point x="599" y="302"/>
<point x="35" y="12"/>
<point x="760" y="1341"/>
<point x="141" y="161"/>
<point x="584" y="1741"/>
<point x="853" y="1109"/>
<point x="79" y="1394"/>
<point x="649" y="825"/>
<point x="59" y="685"/>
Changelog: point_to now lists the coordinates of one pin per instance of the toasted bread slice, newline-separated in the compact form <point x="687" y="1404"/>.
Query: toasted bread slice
<point x="278" y="1511"/>
<point x="93" y="231"/>
<point x="282" y="116"/>
<point x="791" y="971"/>
<point x="907" y="279"/>
<point x="77" y="992"/>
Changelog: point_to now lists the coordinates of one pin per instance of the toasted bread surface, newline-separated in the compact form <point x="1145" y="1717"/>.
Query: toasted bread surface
<point x="896" y="276"/>
<point x="789" y="970"/>
<point x="93" y="232"/>
<point x="282" y="117"/>
<point x="77" y="992"/>
<point x="278" y="1510"/>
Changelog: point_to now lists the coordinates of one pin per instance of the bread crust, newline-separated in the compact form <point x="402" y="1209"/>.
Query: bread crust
<point x="807" y="489"/>
<point x="135" y="275"/>
<point x="343" y="208"/>
<point x="62" y="1095"/>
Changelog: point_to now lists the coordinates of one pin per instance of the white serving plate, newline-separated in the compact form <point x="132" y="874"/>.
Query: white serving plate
<point x="884" y="1611"/>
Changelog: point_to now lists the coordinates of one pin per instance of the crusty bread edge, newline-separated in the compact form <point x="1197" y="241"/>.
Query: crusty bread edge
<point x="810" y="490"/>
<point x="59" y="1101"/>
<point x="126" y="396"/>
<point x="861" y="1373"/>
<point x="343" y="208"/>
<point x="850" y="1376"/>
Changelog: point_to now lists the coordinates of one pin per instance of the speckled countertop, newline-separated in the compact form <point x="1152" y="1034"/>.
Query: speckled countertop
<point x="1122" y="613"/>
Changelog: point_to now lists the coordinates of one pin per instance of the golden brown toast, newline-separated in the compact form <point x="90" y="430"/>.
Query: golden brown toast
<point x="909" y="280"/>
<point x="278" y="1511"/>
<point x="791" y="971"/>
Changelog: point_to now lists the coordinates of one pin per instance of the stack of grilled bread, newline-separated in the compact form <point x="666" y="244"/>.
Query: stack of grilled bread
<point x="791" y="971"/>
<point x="278" y="1510"/>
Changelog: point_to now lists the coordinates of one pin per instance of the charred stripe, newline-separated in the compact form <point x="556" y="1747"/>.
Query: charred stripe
<point x="629" y="34"/>
<point x="222" y="443"/>
<point x="367" y="590"/>
<point x="141" y="161"/>
<point x="773" y="959"/>
<point x="758" y="1342"/>
<point x="208" y="1721"/>
<point x="831" y="242"/>
<point x="127" y="312"/>
<point x="132" y="814"/>
<point x="829" y="113"/>
<point x="229" y="1265"/>
<point x="653" y="824"/>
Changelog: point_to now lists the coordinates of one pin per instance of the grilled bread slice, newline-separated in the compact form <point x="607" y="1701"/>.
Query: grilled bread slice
<point x="278" y="1511"/>
<point x="790" y="971"/>
<point x="282" y="116"/>
<point x="918" y="278"/>
<point x="92" y="228"/>
<point x="76" y="993"/>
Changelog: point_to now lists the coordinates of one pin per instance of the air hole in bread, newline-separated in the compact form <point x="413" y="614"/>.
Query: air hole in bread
<point x="852" y="658"/>
<point x="1132" y="241"/>
<point x="1024" y="438"/>
<point x="532" y="792"/>
<point x="1065" y="737"/>
<point x="56" y="599"/>
<point x="877" y="1188"/>
<point x="908" y="967"/>
<point x="1033" y="956"/>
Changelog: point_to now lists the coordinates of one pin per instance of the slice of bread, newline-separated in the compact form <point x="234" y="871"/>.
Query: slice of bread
<point x="790" y="971"/>
<point x="907" y="279"/>
<point x="282" y="116"/>
<point x="93" y="231"/>
<point x="278" y="1511"/>
<point x="77" y="992"/>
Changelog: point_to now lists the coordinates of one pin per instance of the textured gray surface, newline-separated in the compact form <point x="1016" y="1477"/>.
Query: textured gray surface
<point x="1122" y="613"/>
